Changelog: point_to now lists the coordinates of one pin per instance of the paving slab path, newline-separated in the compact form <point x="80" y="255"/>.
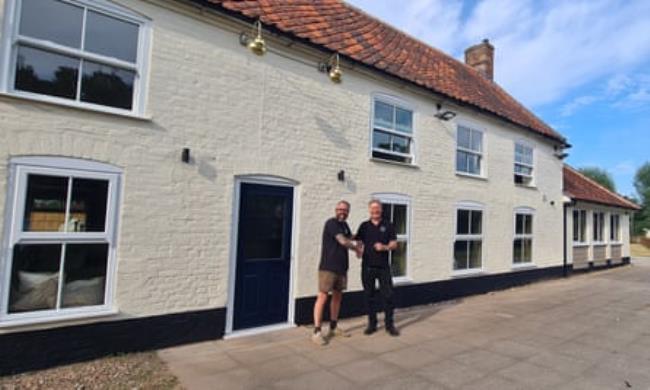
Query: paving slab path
<point x="590" y="331"/>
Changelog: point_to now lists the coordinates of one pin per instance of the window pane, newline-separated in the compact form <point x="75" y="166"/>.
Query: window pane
<point x="460" y="254"/>
<point x="107" y="85"/>
<point x="464" y="137"/>
<point x="398" y="260"/>
<point x="473" y="164"/>
<point x="46" y="73"/>
<point x="462" y="222"/>
<point x="528" y="250"/>
<point x="111" y="37"/>
<point x="517" y="250"/>
<point x="528" y="224"/>
<point x="475" y="252"/>
<point x="384" y="115"/>
<point x="88" y="205"/>
<point x="461" y="161"/>
<point x="45" y="202"/>
<point x="262" y="228"/>
<point x="519" y="224"/>
<point x="85" y="275"/>
<point x="401" y="145"/>
<point x="380" y="140"/>
<point x="51" y="20"/>
<point x="34" y="277"/>
<point x="386" y="211"/>
<point x="476" y="221"/>
<point x="477" y="141"/>
<point x="523" y="170"/>
<point x="583" y="225"/>
<point x="404" y="120"/>
<point x="391" y="157"/>
<point x="399" y="218"/>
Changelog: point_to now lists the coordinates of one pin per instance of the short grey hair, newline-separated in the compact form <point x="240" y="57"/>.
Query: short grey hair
<point x="377" y="201"/>
<point x="345" y="202"/>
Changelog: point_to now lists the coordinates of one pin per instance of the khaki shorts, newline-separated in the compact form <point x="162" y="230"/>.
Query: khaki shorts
<point x="329" y="281"/>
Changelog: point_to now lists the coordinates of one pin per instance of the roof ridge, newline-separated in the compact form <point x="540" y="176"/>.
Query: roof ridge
<point x="592" y="181"/>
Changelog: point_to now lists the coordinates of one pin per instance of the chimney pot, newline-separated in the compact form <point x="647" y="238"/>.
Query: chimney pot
<point x="481" y="58"/>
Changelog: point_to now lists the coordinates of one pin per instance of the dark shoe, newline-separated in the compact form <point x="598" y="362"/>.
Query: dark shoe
<point x="391" y="330"/>
<point x="370" y="330"/>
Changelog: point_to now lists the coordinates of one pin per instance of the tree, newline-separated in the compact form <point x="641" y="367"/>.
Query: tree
<point x="642" y="187"/>
<point x="600" y="176"/>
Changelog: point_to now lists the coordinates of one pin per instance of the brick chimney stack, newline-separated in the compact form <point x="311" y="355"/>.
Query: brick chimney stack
<point x="481" y="58"/>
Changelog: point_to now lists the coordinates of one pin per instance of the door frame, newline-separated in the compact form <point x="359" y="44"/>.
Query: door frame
<point x="268" y="180"/>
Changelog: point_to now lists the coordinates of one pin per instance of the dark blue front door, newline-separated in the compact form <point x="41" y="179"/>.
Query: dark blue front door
<point x="263" y="255"/>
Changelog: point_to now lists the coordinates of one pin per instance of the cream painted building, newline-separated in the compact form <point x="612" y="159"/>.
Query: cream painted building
<point x="162" y="184"/>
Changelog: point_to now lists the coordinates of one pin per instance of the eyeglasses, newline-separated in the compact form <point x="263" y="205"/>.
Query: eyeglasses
<point x="346" y="210"/>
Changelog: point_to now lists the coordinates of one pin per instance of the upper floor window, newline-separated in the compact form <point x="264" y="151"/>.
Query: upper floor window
<point x="392" y="132"/>
<point x="468" y="243"/>
<point x="615" y="228"/>
<point x="523" y="241"/>
<point x="599" y="226"/>
<point x="523" y="164"/>
<point x="579" y="226"/>
<point x="79" y="52"/>
<point x="61" y="238"/>
<point x="469" y="151"/>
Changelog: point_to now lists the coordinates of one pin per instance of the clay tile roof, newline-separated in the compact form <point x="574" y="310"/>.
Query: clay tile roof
<point x="579" y="187"/>
<point x="340" y="27"/>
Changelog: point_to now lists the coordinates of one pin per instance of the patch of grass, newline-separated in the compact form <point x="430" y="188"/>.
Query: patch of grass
<point x="128" y="371"/>
<point x="639" y="250"/>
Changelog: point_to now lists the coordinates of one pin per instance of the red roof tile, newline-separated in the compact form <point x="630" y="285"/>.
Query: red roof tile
<point x="579" y="187"/>
<point x="342" y="28"/>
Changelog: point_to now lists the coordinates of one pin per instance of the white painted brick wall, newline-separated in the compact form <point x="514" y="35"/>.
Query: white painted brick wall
<point x="242" y="114"/>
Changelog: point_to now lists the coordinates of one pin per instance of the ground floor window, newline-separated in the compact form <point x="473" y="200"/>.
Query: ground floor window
<point x="615" y="228"/>
<point x="61" y="237"/>
<point x="523" y="241"/>
<point x="579" y="226"/>
<point x="396" y="210"/>
<point x="599" y="226"/>
<point x="468" y="243"/>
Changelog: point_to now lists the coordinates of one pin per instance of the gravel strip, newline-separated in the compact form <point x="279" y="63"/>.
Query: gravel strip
<point x="129" y="371"/>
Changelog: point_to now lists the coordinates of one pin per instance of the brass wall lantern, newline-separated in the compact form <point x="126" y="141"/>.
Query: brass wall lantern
<point x="257" y="44"/>
<point x="333" y="68"/>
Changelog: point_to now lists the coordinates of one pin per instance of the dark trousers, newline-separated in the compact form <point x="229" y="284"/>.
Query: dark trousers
<point x="368" y="277"/>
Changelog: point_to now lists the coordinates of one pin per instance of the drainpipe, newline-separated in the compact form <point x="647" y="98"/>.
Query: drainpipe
<point x="565" y="205"/>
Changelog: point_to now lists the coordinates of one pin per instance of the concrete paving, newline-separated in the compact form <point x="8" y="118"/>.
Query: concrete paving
<point x="590" y="331"/>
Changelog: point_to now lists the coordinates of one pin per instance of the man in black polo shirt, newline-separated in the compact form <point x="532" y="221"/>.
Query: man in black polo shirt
<point x="332" y="271"/>
<point x="378" y="238"/>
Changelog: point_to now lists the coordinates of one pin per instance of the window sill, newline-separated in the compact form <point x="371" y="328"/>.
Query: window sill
<point x="396" y="163"/>
<point x="402" y="280"/>
<point x="73" y="105"/>
<point x="580" y="245"/>
<point x="616" y="243"/>
<point x="527" y="187"/>
<point x="470" y="176"/>
<point x="599" y="243"/>
<point x="468" y="273"/>
<point x="8" y="322"/>
<point x="523" y="266"/>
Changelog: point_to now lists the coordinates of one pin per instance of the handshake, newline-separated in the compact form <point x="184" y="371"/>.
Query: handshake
<point x="358" y="248"/>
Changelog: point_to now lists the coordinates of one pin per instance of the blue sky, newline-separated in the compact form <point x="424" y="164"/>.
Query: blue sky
<point x="583" y="66"/>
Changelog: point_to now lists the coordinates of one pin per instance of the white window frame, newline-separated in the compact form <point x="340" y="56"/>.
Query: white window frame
<point x="530" y="212"/>
<point x="597" y="223"/>
<point x="405" y="200"/>
<point x="400" y="103"/>
<point x="581" y="226"/>
<point x="472" y="206"/>
<point x="20" y="168"/>
<point x="531" y="177"/>
<point x="11" y="39"/>
<point x="615" y="228"/>
<point x="482" y="154"/>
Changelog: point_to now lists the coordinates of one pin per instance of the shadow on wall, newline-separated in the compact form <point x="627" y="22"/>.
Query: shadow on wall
<point x="333" y="133"/>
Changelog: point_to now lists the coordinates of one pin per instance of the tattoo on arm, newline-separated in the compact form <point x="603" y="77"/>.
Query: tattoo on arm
<point x="346" y="242"/>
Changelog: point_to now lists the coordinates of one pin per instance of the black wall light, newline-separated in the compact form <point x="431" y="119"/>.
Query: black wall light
<point x="185" y="155"/>
<point x="444" y="115"/>
<point x="341" y="175"/>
